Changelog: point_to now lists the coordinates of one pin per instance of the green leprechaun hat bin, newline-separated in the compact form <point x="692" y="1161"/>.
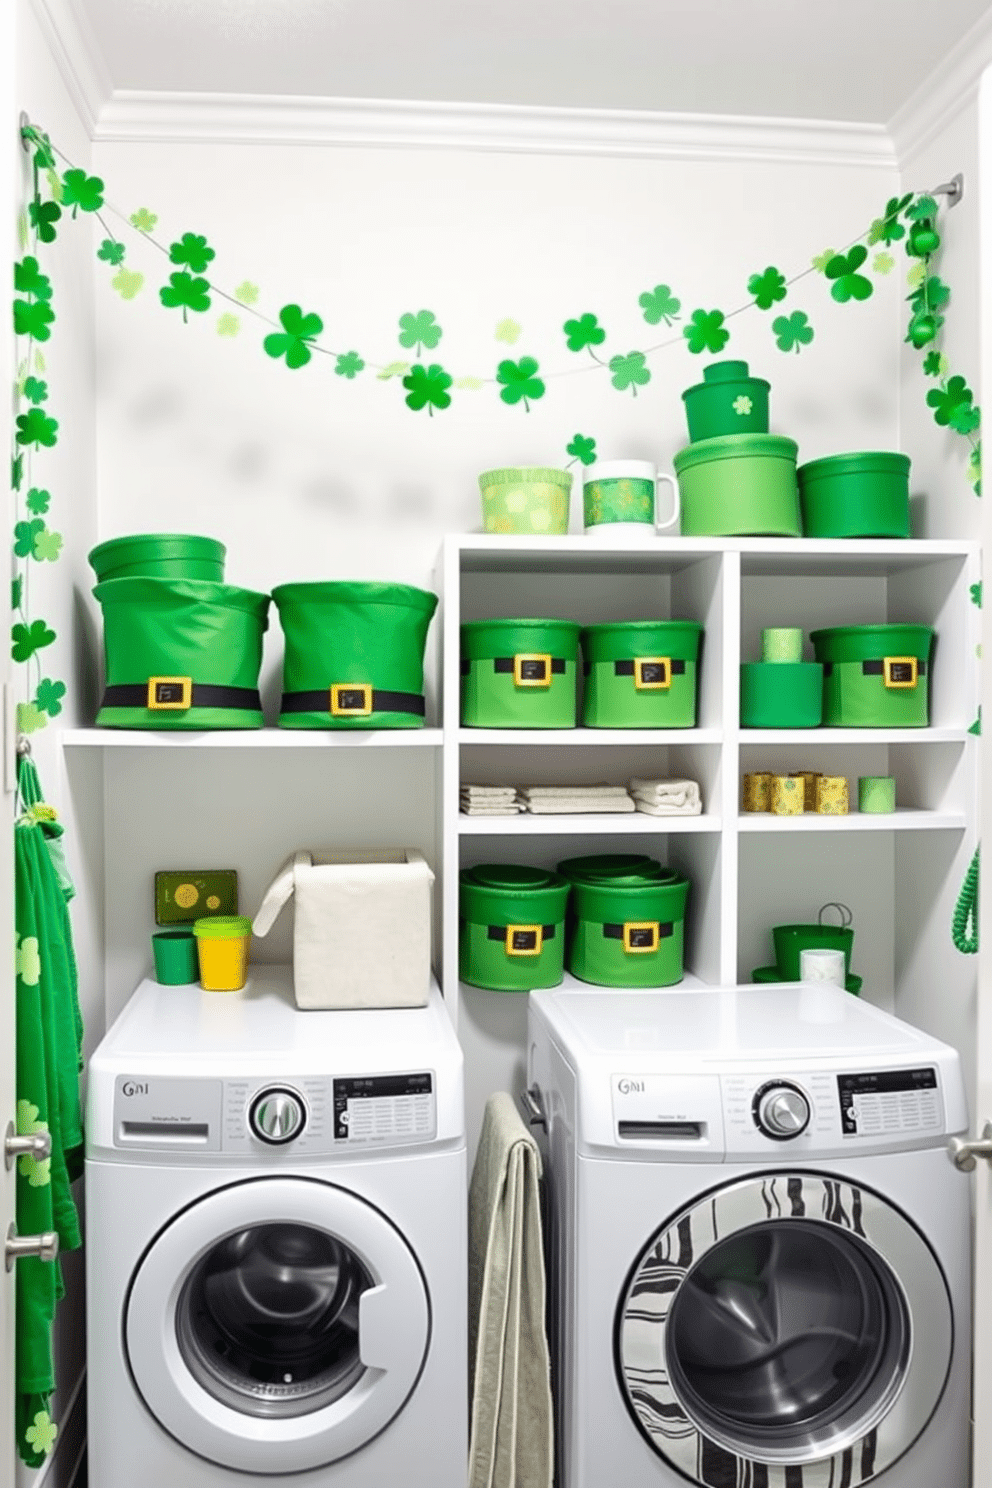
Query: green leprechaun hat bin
<point x="159" y="555"/>
<point x="629" y="931"/>
<point x="511" y="927"/>
<point x="875" y="676"/>
<point x="727" y="401"/>
<point x="640" y="674"/>
<point x="519" y="673"/>
<point x="354" y="655"/>
<point x="181" y="654"/>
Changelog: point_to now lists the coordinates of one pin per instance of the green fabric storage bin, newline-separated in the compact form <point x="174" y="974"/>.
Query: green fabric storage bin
<point x="191" y="648"/>
<point x="628" y="933"/>
<point x="727" y="401"/>
<point x="640" y="674"/>
<point x="596" y="866"/>
<point x="511" y="934"/>
<point x="531" y="501"/>
<point x="159" y="555"/>
<point x="741" y="485"/>
<point x="354" y="654"/>
<point x="781" y="694"/>
<point x="519" y="673"/>
<point x="856" y="495"/>
<point x="875" y="676"/>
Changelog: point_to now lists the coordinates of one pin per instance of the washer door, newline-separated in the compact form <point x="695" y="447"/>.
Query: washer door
<point x="792" y="1320"/>
<point x="277" y="1325"/>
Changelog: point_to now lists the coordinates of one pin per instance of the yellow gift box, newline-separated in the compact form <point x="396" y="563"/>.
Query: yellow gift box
<point x="756" y="794"/>
<point x="788" y="796"/>
<point x="809" y="779"/>
<point x="831" y="795"/>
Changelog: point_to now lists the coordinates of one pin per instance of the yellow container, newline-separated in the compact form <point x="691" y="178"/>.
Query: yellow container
<point x="756" y="794"/>
<point x="809" y="779"/>
<point x="831" y="795"/>
<point x="788" y="796"/>
<point x="222" y="947"/>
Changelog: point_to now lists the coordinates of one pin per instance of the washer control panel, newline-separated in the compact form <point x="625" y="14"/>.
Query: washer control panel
<point x="881" y="1102"/>
<point x="835" y="1110"/>
<point x="277" y="1115"/>
<point x="781" y="1110"/>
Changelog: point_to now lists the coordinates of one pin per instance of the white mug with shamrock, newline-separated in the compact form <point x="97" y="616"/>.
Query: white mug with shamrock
<point x="620" y="500"/>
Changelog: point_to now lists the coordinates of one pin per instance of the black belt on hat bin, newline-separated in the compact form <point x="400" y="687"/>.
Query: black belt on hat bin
<point x="615" y="932"/>
<point x="317" y="701"/>
<point x="203" y="695"/>
<point x="873" y="668"/>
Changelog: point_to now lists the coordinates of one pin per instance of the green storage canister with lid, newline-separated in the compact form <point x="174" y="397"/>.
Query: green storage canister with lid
<point x="727" y="401"/>
<point x="875" y="676"/>
<point x="181" y="654"/>
<point x="519" y="673"/>
<point x="856" y="495"/>
<point x="354" y="654"/>
<point x="596" y="866"/>
<point x="628" y="931"/>
<point x="511" y="927"/>
<point x="781" y="694"/>
<point x="159" y="555"/>
<point x="640" y="674"/>
<point x="740" y="485"/>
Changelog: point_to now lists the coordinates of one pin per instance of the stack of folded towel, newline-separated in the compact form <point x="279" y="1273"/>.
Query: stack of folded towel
<point x="552" y="800"/>
<point x="490" y="800"/>
<point x="666" y="797"/>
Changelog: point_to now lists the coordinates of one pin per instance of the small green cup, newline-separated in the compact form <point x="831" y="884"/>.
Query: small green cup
<point x="176" y="963"/>
<point x="619" y="499"/>
<point x="877" y="794"/>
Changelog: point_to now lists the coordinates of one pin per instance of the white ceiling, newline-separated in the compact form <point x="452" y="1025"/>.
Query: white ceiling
<point x="853" y="60"/>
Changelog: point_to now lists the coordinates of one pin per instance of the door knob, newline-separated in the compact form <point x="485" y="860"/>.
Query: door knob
<point x="965" y="1153"/>
<point x="36" y="1144"/>
<point x="44" y="1247"/>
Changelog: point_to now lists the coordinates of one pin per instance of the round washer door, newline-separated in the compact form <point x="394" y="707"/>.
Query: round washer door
<point x="793" y="1320"/>
<point x="277" y="1325"/>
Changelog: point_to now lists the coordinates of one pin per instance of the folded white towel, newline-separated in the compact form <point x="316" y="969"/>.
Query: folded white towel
<point x="549" y="792"/>
<point x="576" y="805"/>
<point x="509" y="808"/>
<point x="651" y="808"/>
<point x="484" y="792"/>
<point x="663" y="790"/>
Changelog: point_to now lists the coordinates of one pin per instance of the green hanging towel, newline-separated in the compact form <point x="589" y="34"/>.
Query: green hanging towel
<point x="48" y="1060"/>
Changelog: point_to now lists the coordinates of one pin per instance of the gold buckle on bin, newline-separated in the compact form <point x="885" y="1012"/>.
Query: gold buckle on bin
<point x="651" y="683"/>
<point x="524" y="940"/>
<point x="640" y="936"/>
<point x="170" y="694"/>
<point x="894" y="667"/>
<point x="351" y="699"/>
<point x="525" y="669"/>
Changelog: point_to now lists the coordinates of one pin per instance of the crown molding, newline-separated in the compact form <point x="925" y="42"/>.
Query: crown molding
<point x="944" y="94"/>
<point x="77" y="56"/>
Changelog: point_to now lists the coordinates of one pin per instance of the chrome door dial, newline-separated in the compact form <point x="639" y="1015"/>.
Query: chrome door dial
<point x="781" y="1111"/>
<point x="277" y="1115"/>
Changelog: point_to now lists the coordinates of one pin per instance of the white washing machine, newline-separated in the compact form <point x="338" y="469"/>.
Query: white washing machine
<point x="758" y="1243"/>
<point x="276" y="1244"/>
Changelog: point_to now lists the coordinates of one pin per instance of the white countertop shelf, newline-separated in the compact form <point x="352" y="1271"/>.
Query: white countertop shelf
<point x="266" y="738"/>
<point x="825" y="735"/>
<point x="591" y="824"/>
<point x="903" y="819"/>
<point x="579" y="737"/>
<point x="689" y="983"/>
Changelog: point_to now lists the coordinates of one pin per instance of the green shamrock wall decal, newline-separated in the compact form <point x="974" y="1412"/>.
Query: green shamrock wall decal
<point x="883" y="263"/>
<point x="349" y="365"/>
<point x="520" y="382"/>
<point x="28" y="279"/>
<point x="43" y="217"/>
<point x="35" y="391"/>
<point x="143" y="220"/>
<point x="38" y="501"/>
<point x="930" y="293"/>
<point x="923" y="209"/>
<point x="295" y="344"/>
<point x="49" y="696"/>
<point x="582" y="332"/>
<point x="26" y="640"/>
<point x="183" y="292"/>
<point x="427" y="387"/>
<point x="24" y="536"/>
<point x="767" y="288"/>
<point x="659" y="304"/>
<point x="81" y="192"/>
<point x="393" y="369"/>
<point x="32" y="318"/>
<point x="127" y="283"/>
<point x="111" y="252"/>
<point x="887" y="228"/>
<point x="953" y="406"/>
<point x="629" y="371"/>
<point x="247" y="293"/>
<point x="419" y="330"/>
<point x="582" y="448"/>
<point x="48" y="546"/>
<point x="792" y="332"/>
<point x="508" y="330"/>
<point x="935" y="364"/>
<point x="975" y="590"/>
<point x="228" y="324"/>
<point x="848" y="284"/>
<point x="705" y="331"/>
<point x="192" y="251"/>
<point x="36" y="428"/>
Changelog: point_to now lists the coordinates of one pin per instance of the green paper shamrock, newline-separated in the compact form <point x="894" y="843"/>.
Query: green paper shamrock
<point x="767" y="288"/>
<point x="883" y="263"/>
<point x="49" y="696"/>
<point x="16" y="472"/>
<point x="820" y="261"/>
<point x="520" y="381"/>
<point x="975" y="471"/>
<point x="127" y="283"/>
<point x="349" y="365"/>
<point x="192" y="251"/>
<point x="41" y="1434"/>
<point x="55" y="187"/>
<point x="43" y="216"/>
<point x="888" y="229"/>
<point x="39" y="361"/>
<point x="419" y="330"/>
<point x="81" y="192"/>
<point x="583" y="332"/>
<point x="931" y="293"/>
<point x="792" y="332"/>
<point x="468" y="384"/>
<point x="705" y="331"/>
<point x="976" y="727"/>
<point x="923" y="209"/>
<point x="27" y="639"/>
<point x="32" y="318"/>
<point x="300" y="331"/>
<point x="48" y="546"/>
<point x="427" y="387"/>
<point x="183" y="292"/>
<point x="659" y="304"/>
<point x="935" y="364"/>
<point x="143" y="220"/>
<point x="247" y="293"/>
<point x="953" y="406"/>
<point x="916" y="275"/>
<point x="508" y="331"/>
<point x="394" y="369"/>
<point x="24" y="536"/>
<point x="228" y="324"/>
<point x="38" y="501"/>
<point x="975" y="591"/>
<point x="111" y="252"/>
<point x="848" y="284"/>
<point x="35" y="427"/>
<point x="28" y="279"/>
<point x="29" y="720"/>
<point x="629" y="371"/>
<point x="16" y="590"/>
<point x="582" y="449"/>
<point x="35" y="391"/>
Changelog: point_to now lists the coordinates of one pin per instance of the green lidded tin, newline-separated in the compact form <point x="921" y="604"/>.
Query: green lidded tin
<point x="781" y="694"/>
<point x="511" y="927"/>
<point x="875" y="676"/>
<point x="640" y="674"/>
<point x="159" y="555"/>
<point x="612" y="865"/>
<point x="856" y="495"/>
<point x="628" y="931"/>
<point x="727" y="401"/>
<point x="740" y="485"/>
<point x="354" y="654"/>
<point x="181" y="654"/>
<point x="531" y="501"/>
<point x="519" y="673"/>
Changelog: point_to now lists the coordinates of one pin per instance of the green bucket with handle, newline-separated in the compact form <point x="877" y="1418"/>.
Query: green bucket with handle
<point x="354" y="654"/>
<point x="159" y="555"/>
<point x="856" y="495"/>
<point x="519" y="673"/>
<point x="727" y="401"/>
<point x="628" y="931"/>
<point x="875" y="676"/>
<point x="640" y="674"/>
<point x="511" y="927"/>
<point x="181" y="654"/>
<point x="740" y="485"/>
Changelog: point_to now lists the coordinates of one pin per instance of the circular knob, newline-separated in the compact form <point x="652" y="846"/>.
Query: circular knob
<point x="277" y="1116"/>
<point x="781" y="1111"/>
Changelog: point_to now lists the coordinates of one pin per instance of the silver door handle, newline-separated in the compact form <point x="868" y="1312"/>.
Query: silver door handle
<point x="533" y="1110"/>
<point x="965" y="1153"/>
<point x="43" y="1247"/>
<point x="36" y="1144"/>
